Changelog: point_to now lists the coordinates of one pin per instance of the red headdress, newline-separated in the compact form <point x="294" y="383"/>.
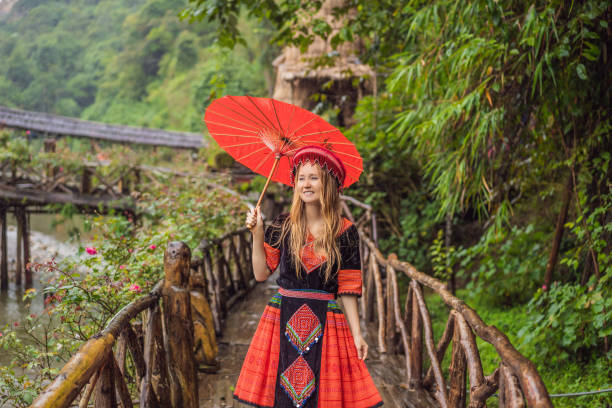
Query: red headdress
<point x="323" y="157"/>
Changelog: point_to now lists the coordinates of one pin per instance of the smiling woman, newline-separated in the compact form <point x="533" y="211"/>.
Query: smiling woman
<point x="319" y="362"/>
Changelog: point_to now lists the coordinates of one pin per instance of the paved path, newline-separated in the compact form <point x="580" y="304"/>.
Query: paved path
<point x="216" y="389"/>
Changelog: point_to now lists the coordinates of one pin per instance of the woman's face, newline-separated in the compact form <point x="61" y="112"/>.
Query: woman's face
<point x="308" y="183"/>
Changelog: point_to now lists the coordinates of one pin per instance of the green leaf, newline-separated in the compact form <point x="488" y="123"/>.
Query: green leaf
<point x="581" y="71"/>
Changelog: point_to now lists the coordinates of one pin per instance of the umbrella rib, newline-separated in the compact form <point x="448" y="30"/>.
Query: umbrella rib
<point x="251" y="153"/>
<point x="241" y="144"/>
<point x="277" y="119"/>
<point x="347" y="154"/>
<point x="263" y="160"/>
<point x="304" y="124"/>
<point x="334" y="143"/>
<point x="230" y="118"/>
<point x="287" y="141"/>
<point x="231" y="127"/>
<point x="318" y="133"/>
<point x="350" y="165"/>
<point x="250" y="99"/>
<point x="247" y="111"/>
<point x="234" y="135"/>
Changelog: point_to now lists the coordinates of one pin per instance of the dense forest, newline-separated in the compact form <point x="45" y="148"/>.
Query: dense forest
<point x="487" y="144"/>
<point x="123" y="62"/>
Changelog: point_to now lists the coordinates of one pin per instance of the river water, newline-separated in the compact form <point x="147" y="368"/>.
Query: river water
<point x="46" y="242"/>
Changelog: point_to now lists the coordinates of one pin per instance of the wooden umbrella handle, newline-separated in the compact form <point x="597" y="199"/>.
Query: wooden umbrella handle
<point x="276" y="160"/>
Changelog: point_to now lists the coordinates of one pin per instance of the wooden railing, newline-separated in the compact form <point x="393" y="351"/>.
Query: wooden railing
<point x="163" y="357"/>
<point x="406" y="331"/>
<point x="223" y="275"/>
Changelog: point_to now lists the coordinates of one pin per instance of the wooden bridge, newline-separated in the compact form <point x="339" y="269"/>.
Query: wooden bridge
<point x="202" y="302"/>
<point x="54" y="125"/>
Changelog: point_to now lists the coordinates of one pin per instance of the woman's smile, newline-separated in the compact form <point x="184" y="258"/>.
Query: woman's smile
<point x="309" y="183"/>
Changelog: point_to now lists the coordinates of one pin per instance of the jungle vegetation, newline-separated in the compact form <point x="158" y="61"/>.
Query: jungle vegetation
<point x="486" y="148"/>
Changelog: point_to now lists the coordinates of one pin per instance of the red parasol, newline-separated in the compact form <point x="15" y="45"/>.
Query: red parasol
<point x="263" y="134"/>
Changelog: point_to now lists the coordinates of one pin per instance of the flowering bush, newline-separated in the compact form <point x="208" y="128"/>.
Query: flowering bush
<point x="124" y="261"/>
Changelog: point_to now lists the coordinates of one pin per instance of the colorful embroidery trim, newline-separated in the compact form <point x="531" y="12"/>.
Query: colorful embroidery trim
<point x="349" y="281"/>
<point x="306" y="294"/>
<point x="298" y="381"/>
<point x="303" y="329"/>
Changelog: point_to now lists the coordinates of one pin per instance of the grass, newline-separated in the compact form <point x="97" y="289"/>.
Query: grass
<point x="568" y="377"/>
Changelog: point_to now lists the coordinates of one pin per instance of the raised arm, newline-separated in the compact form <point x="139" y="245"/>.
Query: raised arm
<point x="254" y="222"/>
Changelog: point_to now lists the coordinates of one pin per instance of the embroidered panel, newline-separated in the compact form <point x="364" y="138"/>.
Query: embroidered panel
<point x="349" y="282"/>
<point x="303" y="329"/>
<point x="272" y="256"/>
<point x="310" y="260"/>
<point x="298" y="381"/>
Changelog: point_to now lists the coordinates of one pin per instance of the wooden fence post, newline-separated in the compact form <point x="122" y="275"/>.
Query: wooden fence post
<point x="19" y="255"/>
<point x="104" y="395"/>
<point x="457" y="371"/>
<point x="416" y="344"/>
<point x="49" y="147"/>
<point x="178" y="327"/>
<point x="86" y="180"/>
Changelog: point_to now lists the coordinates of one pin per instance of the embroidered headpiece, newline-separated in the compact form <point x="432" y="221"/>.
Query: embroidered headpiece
<point x="323" y="157"/>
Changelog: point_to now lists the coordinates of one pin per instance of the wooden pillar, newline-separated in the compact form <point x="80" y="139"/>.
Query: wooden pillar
<point x="86" y="180"/>
<point x="4" y="256"/>
<point x="49" y="146"/>
<point x="104" y="395"/>
<point x="457" y="372"/>
<point x="416" y="345"/>
<point x="19" y="255"/>
<point x="178" y="327"/>
<point x="23" y="221"/>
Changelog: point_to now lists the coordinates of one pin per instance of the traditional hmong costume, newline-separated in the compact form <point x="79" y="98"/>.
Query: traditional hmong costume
<point x="303" y="353"/>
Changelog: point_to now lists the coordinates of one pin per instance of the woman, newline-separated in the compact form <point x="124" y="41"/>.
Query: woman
<point x="303" y="353"/>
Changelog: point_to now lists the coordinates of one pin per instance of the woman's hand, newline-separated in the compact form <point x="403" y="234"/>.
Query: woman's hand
<point x="362" y="347"/>
<point x="254" y="222"/>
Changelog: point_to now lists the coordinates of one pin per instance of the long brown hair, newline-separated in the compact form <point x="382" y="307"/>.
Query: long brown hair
<point x="295" y="224"/>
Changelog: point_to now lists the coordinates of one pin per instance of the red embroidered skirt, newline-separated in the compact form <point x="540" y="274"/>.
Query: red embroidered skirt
<point x="336" y="378"/>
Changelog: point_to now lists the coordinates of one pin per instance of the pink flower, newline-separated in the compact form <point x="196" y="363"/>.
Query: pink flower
<point x="130" y="250"/>
<point x="91" y="250"/>
<point x="28" y="132"/>
<point x="135" y="288"/>
<point x="122" y="267"/>
<point x="33" y="316"/>
<point x="16" y="324"/>
<point x="544" y="288"/>
<point x="153" y="246"/>
<point x="0" y="334"/>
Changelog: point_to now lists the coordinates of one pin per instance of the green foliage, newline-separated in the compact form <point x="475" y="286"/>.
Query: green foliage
<point x="441" y="258"/>
<point x="155" y="71"/>
<point x="568" y="321"/>
<point x="504" y="269"/>
<point x="124" y="260"/>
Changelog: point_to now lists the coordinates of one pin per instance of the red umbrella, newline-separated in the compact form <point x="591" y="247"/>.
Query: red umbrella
<point x="263" y="134"/>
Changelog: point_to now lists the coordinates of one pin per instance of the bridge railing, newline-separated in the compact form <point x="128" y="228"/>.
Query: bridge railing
<point x="89" y="178"/>
<point x="409" y="332"/>
<point x="195" y="296"/>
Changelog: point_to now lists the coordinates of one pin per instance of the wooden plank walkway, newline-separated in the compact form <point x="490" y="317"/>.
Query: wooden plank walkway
<point x="64" y="126"/>
<point x="215" y="390"/>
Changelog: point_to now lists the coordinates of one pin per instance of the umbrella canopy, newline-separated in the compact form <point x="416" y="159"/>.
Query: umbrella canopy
<point x="264" y="133"/>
